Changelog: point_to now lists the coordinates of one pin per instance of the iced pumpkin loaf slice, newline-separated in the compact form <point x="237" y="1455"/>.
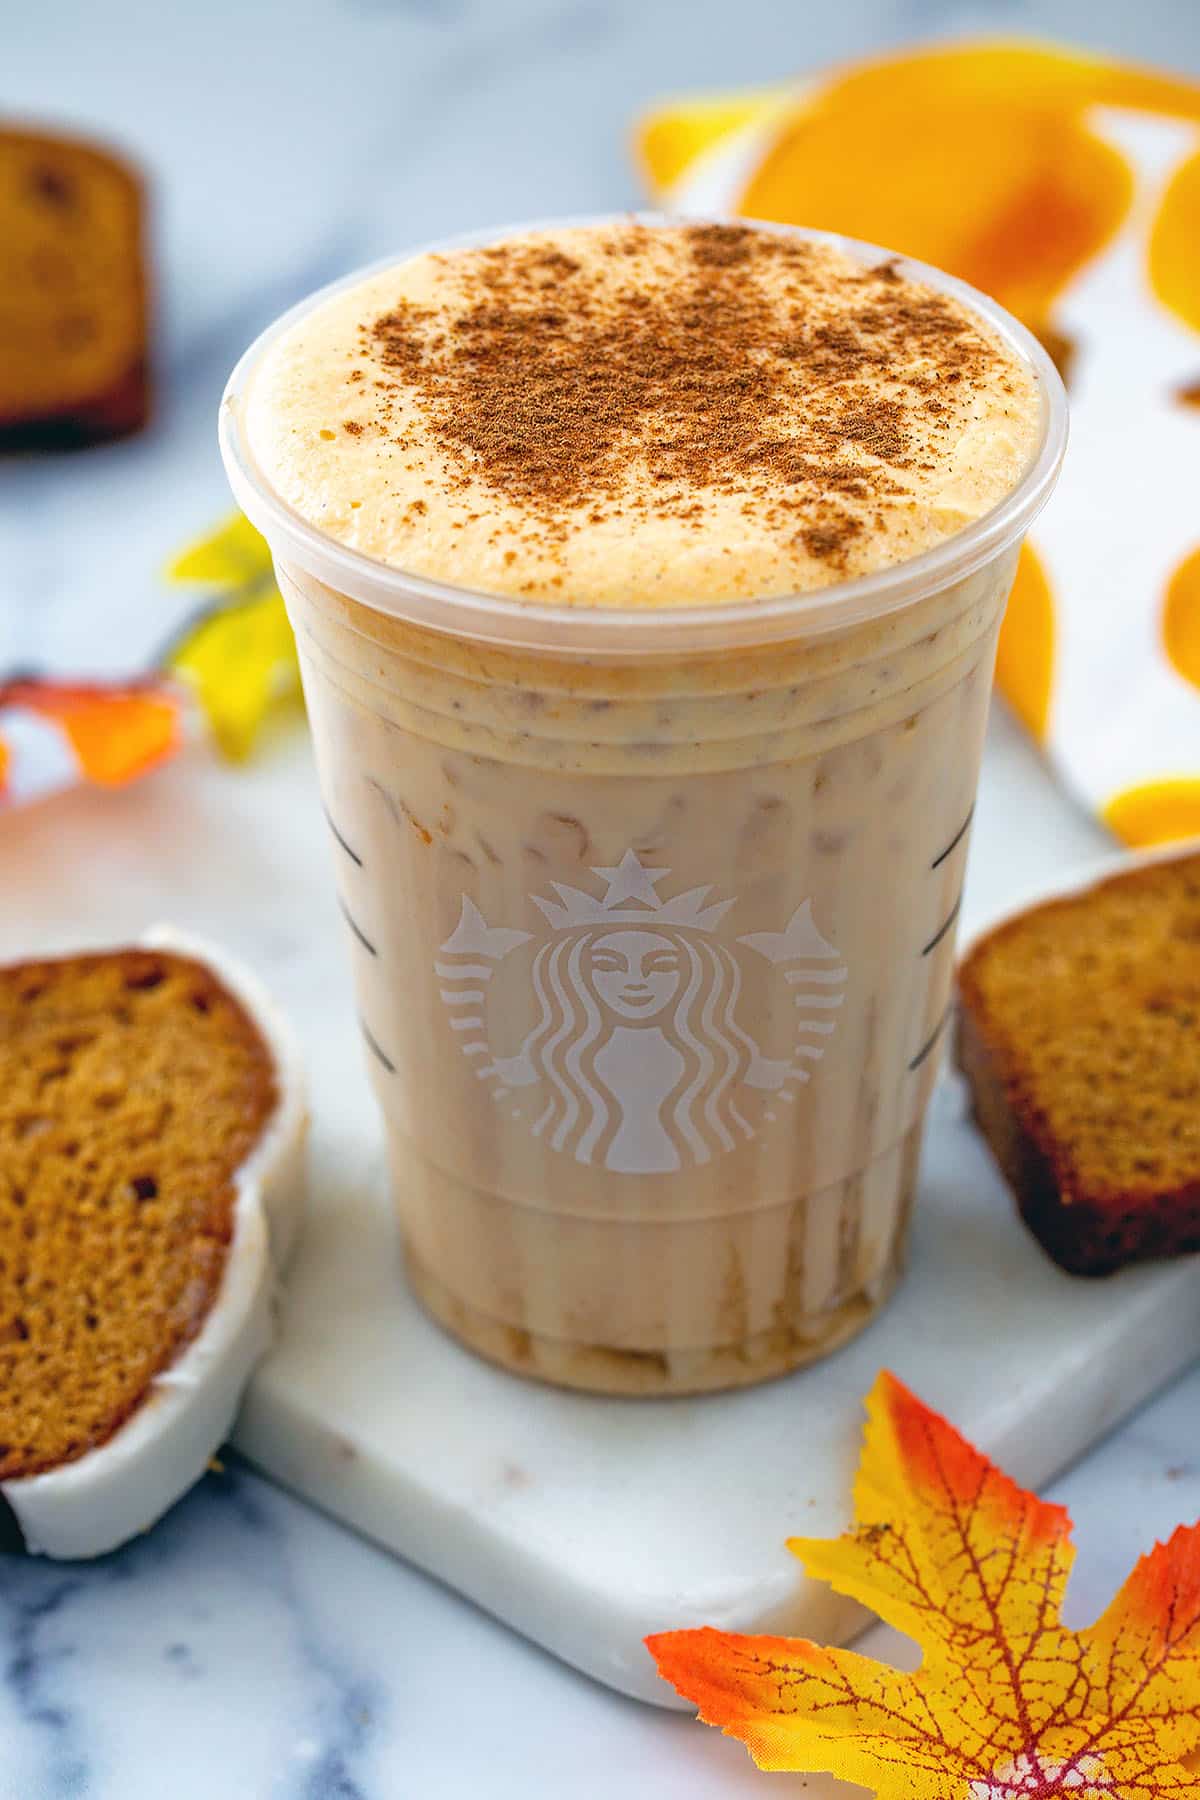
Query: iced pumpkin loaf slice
<point x="1079" y="1035"/>
<point x="151" y="1142"/>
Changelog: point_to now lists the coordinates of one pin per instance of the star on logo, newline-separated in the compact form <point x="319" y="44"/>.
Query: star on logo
<point x="629" y="880"/>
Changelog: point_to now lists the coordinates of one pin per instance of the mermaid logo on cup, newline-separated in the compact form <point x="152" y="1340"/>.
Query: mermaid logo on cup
<point x="638" y="1058"/>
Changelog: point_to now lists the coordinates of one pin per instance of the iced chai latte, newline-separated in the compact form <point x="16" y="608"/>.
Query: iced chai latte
<point x="646" y="580"/>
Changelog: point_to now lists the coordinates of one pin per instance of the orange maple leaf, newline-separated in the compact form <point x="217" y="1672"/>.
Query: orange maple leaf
<point x="1008" y="1704"/>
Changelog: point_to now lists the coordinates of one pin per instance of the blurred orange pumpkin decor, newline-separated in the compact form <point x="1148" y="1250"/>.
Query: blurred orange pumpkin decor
<point x="1068" y="187"/>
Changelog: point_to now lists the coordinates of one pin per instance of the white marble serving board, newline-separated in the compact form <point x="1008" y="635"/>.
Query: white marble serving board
<point x="586" y="1523"/>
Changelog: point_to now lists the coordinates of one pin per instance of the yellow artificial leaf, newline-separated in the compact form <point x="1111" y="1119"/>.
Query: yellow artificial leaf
<point x="1008" y="1704"/>
<point x="234" y="556"/>
<point x="239" y="658"/>
<point x="240" y="661"/>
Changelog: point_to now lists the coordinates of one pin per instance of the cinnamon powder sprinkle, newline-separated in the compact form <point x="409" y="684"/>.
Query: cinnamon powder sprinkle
<point x="725" y="374"/>
<point x="638" y="416"/>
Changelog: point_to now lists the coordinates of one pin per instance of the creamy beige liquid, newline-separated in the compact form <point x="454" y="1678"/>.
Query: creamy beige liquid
<point x="653" y="952"/>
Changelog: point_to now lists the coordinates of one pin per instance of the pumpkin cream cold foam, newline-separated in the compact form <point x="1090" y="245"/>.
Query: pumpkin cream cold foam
<point x="649" y="753"/>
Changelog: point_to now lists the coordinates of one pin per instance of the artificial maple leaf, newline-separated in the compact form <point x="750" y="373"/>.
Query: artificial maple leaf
<point x="52" y="733"/>
<point x="239" y="656"/>
<point x="1008" y="1704"/>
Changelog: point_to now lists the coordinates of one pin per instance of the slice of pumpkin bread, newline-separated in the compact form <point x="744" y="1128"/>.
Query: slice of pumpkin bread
<point x="73" y="306"/>
<point x="147" y="1105"/>
<point x="1079" y="1036"/>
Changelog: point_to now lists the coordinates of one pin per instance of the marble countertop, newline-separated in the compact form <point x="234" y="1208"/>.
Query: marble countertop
<point x="248" y="1647"/>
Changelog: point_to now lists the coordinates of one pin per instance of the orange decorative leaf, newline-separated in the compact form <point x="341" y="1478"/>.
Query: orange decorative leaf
<point x="117" y="734"/>
<point x="111" y="734"/>
<point x="1008" y="1704"/>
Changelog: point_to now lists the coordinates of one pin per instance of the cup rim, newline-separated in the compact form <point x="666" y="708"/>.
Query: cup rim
<point x="631" y="632"/>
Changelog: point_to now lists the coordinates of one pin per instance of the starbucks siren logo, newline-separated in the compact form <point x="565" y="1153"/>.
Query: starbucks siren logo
<point x="637" y="1058"/>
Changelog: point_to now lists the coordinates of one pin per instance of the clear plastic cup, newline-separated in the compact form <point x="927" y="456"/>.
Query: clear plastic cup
<point x="652" y="916"/>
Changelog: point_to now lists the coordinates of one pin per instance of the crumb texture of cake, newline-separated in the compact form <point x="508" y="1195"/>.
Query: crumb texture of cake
<point x="1080" y="1039"/>
<point x="633" y="415"/>
<point x="139" y="1090"/>
<point x="73" y="300"/>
